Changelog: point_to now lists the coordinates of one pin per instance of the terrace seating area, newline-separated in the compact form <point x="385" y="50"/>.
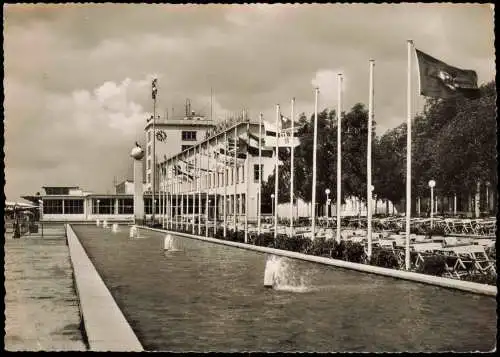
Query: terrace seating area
<point x="464" y="250"/>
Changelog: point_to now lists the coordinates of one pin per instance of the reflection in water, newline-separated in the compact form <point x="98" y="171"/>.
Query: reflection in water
<point x="210" y="297"/>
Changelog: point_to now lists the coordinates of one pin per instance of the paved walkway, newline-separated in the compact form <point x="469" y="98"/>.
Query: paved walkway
<point x="41" y="305"/>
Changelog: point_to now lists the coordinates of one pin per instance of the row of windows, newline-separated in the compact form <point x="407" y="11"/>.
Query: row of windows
<point x="187" y="205"/>
<point x="106" y="206"/>
<point x="185" y="136"/>
<point x="63" y="207"/>
<point x="101" y="206"/>
<point x="189" y="135"/>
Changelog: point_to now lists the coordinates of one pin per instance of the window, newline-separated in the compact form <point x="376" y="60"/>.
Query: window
<point x="149" y="150"/>
<point x="73" y="206"/>
<point x="242" y="174"/>
<point x="148" y="205"/>
<point x="125" y="206"/>
<point x="185" y="147"/>
<point x="189" y="135"/>
<point x="256" y="172"/>
<point x="104" y="206"/>
<point x="52" y="207"/>
<point x="149" y="178"/>
<point x="57" y="190"/>
<point x="149" y="164"/>
<point x="149" y="137"/>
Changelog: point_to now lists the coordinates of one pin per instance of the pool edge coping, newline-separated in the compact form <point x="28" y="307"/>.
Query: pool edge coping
<point x="467" y="286"/>
<point x="119" y="334"/>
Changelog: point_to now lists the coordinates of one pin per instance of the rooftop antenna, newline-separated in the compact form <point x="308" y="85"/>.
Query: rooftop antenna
<point x="188" y="107"/>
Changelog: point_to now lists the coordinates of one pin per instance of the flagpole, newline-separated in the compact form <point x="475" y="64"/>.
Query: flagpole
<point x="235" y="176"/>
<point x="165" y="193"/>
<point x="369" y="191"/>
<point x="176" y="192"/>
<point x="408" y="158"/>
<point x="246" y="183"/>
<point x="276" y="174"/>
<point x="193" y="188"/>
<point x="154" y="150"/>
<point x="315" y="148"/>
<point x="163" y="196"/>
<point x="224" y="175"/>
<point x="216" y="183"/>
<point x="292" y="166"/>
<point x="169" y="198"/>
<point x="339" y="155"/>
<point x="199" y="188"/>
<point x="207" y="189"/>
<point x="181" y="189"/>
<point x="187" y="190"/>
<point x="259" y="196"/>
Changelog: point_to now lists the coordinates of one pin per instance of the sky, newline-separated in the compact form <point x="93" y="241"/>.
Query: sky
<point x="77" y="82"/>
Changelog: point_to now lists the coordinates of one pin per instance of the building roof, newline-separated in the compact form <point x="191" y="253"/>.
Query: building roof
<point x="228" y="127"/>
<point x="162" y="123"/>
<point x="62" y="186"/>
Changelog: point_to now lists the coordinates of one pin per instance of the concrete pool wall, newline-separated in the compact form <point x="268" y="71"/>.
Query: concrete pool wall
<point x="105" y="326"/>
<point x="476" y="288"/>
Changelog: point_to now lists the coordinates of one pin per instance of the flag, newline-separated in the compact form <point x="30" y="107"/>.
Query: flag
<point x="252" y="145"/>
<point x="154" y="89"/>
<point x="438" y="79"/>
<point x="183" y="174"/>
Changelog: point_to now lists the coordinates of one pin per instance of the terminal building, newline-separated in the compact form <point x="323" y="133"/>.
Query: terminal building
<point x="203" y="167"/>
<point x="173" y="135"/>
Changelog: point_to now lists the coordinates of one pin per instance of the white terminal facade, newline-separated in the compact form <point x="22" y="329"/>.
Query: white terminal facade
<point x="180" y="134"/>
<point x="221" y="168"/>
<point x="197" y="169"/>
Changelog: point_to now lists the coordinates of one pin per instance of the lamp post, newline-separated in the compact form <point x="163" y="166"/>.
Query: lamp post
<point x="432" y="183"/>
<point x="253" y="199"/>
<point x="208" y="216"/>
<point x="272" y="203"/>
<point x="40" y="204"/>
<point x="98" y="206"/>
<point x="488" y="197"/>
<point x="327" y="191"/>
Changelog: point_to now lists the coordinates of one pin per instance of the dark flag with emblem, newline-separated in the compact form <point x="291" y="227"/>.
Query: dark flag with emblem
<point x="154" y="89"/>
<point x="440" y="80"/>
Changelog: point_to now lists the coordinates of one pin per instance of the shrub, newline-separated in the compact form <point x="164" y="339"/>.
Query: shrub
<point x="384" y="258"/>
<point x="354" y="252"/>
<point x="298" y="244"/>
<point x="433" y="265"/>
<point x="219" y="233"/>
<point x="490" y="279"/>
<point x="321" y="247"/>
<point x="338" y="250"/>
<point x="265" y="240"/>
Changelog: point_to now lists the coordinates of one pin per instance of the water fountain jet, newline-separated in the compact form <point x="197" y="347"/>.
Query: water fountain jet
<point x="133" y="232"/>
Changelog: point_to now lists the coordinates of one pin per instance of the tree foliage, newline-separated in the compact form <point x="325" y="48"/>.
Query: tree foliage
<point x="453" y="142"/>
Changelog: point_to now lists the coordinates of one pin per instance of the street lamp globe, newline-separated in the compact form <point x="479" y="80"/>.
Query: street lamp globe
<point x="327" y="191"/>
<point x="272" y="195"/>
<point x="432" y="183"/>
<point x="372" y="188"/>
